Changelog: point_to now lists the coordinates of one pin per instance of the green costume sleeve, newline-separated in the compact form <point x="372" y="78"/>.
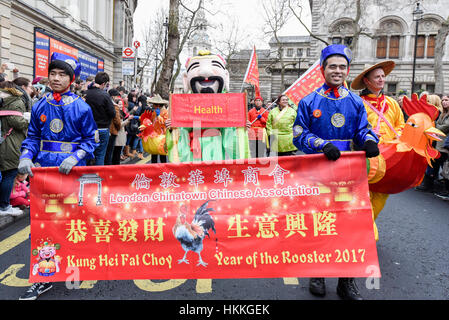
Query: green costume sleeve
<point x="178" y="145"/>
<point x="230" y="143"/>
<point x="244" y="152"/>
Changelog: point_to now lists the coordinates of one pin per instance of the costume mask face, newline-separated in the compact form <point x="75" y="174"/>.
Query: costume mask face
<point x="206" y="73"/>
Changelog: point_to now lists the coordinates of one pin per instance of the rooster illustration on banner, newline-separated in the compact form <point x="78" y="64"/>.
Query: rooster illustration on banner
<point x="191" y="235"/>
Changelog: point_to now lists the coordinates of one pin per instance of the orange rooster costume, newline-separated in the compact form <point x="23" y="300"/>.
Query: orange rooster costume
<point x="406" y="148"/>
<point x="153" y="130"/>
<point x="403" y="161"/>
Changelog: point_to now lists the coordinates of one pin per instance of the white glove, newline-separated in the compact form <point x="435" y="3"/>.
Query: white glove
<point x="67" y="165"/>
<point x="25" y="166"/>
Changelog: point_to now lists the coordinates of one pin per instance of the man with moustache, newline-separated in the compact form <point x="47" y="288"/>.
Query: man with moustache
<point x="330" y="120"/>
<point x="384" y="113"/>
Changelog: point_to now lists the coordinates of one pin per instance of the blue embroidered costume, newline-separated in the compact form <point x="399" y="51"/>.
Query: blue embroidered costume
<point x="332" y="115"/>
<point x="58" y="130"/>
<point x="323" y="117"/>
<point x="330" y="120"/>
<point x="62" y="127"/>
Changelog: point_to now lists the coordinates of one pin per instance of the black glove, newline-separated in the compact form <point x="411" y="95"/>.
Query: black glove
<point x="331" y="152"/>
<point x="371" y="149"/>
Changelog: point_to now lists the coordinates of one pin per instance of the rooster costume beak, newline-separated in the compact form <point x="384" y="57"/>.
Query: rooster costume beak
<point x="434" y="134"/>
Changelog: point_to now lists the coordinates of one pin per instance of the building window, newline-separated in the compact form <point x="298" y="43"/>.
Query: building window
<point x="431" y="46"/>
<point x="428" y="87"/>
<point x="381" y="51"/>
<point x="393" y="51"/>
<point x="417" y="87"/>
<point x="299" y="53"/>
<point x="289" y="52"/>
<point x="421" y="44"/>
<point x="336" y="40"/>
<point x="348" y="41"/>
<point x="309" y="52"/>
<point x="391" y="88"/>
<point x="390" y="45"/>
<point x="389" y="39"/>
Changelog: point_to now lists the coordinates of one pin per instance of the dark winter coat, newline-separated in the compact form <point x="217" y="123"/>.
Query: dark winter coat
<point x="10" y="148"/>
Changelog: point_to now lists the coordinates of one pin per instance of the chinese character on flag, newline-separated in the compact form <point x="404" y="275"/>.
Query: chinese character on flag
<point x="252" y="73"/>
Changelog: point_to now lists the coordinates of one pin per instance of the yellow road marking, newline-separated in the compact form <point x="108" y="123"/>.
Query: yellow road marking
<point x="291" y="281"/>
<point x="150" y="286"/>
<point x="204" y="286"/>
<point x="144" y="160"/>
<point x="10" y="277"/>
<point x="88" y="284"/>
<point x="14" y="240"/>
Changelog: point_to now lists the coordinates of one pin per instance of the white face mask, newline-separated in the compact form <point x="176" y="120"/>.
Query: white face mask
<point x="206" y="74"/>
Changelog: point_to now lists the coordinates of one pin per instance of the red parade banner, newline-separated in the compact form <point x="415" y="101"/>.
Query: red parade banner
<point x="301" y="216"/>
<point x="208" y="110"/>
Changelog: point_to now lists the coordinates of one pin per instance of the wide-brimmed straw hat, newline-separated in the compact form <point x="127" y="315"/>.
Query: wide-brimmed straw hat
<point x="157" y="99"/>
<point x="387" y="66"/>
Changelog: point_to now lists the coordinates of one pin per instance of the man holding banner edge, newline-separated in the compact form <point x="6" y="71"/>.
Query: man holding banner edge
<point x="61" y="133"/>
<point x="330" y="120"/>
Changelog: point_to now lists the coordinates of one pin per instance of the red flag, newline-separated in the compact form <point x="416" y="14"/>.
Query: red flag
<point x="252" y="73"/>
<point x="309" y="81"/>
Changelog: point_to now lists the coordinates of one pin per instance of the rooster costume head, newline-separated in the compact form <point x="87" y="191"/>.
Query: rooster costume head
<point x="419" y="131"/>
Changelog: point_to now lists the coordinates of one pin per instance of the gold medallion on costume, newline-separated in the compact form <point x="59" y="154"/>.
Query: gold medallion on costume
<point x="66" y="147"/>
<point x="338" y="120"/>
<point x="56" y="125"/>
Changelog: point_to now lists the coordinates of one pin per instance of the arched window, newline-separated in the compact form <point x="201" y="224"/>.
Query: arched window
<point x="389" y="40"/>
<point x="341" y="32"/>
<point x="427" y="31"/>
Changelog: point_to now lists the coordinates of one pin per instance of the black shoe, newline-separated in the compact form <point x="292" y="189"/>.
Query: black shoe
<point x="36" y="290"/>
<point x="442" y="195"/>
<point x="424" y="189"/>
<point x="347" y="289"/>
<point x="317" y="287"/>
<point x="426" y="185"/>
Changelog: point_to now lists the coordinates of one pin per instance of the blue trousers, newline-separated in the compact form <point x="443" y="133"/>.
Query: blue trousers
<point x="100" y="151"/>
<point x="6" y="185"/>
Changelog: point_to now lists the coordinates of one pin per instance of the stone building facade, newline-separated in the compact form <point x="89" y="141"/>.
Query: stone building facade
<point x="99" y="29"/>
<point x="388" y="32"/>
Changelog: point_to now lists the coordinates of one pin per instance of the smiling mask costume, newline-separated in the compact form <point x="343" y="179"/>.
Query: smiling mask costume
<point x="206" y="73"/>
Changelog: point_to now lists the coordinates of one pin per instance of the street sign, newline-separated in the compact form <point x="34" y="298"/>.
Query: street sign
<point x="128" y="67"/>
<point x="136" y="44"/>
<point x="128" y="53"/>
